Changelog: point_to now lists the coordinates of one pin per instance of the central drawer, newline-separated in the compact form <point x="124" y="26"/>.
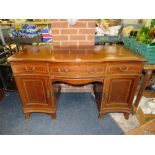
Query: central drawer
<point x="77" y="70"/>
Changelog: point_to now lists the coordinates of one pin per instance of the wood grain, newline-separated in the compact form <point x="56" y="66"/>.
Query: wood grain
<point x="113" y="70"/>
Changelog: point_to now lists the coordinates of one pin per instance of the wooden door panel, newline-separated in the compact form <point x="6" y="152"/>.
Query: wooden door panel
<point x="33" y="90"/>
<point x="120" y="90"/>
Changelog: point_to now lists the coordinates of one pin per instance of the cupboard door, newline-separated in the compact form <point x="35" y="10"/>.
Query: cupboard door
<point x="119" y="91"/>
<point x="33" y="90"/>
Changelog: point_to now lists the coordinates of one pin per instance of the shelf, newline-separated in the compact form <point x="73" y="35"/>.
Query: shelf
<point x="42" y="43"/>
<point x="37" y="23"/>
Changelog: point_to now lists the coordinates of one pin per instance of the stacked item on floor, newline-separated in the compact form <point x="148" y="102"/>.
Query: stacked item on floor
<point x="151" y="84"/>
<point x="145" y="129"/>
<point x="152" y="87"/>
<point x="146" y="110"/>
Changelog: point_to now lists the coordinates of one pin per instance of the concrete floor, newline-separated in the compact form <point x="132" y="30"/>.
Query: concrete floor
<point x="132" y="122"/>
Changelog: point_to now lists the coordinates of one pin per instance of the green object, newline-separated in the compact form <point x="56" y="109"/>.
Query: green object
<point x="138" y="47"/>
<point x="143" y="35"/>
<point x="144" y="43"/>
<point x="147" y="34"/>
<point x="108" y="39"/>
<point x="153" y="23"/>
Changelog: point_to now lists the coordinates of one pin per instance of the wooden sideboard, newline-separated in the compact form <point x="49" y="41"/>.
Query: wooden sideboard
<point x="114" y="72"/>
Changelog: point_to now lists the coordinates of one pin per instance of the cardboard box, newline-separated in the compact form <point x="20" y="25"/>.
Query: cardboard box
<point x="145" y="129"/>
<point x="142" y="117"/>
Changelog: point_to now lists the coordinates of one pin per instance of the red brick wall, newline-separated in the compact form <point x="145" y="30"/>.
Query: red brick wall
<point x="82" y="33"/>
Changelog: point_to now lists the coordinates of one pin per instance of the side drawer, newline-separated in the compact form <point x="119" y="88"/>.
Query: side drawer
<point x="29" y="68"/>
<point x="77" y="70"/>
<point x="124" y="68"/>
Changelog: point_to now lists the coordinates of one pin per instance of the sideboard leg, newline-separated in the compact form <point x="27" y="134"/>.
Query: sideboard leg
<point x="126" y="115"/>
<point x="101" y="115"/>
<point x="53" y="115"/>
<point x="147" y="77"/>
<point x="27" y="115"/>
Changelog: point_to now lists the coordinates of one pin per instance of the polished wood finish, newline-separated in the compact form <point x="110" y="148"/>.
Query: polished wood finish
<point x="114" y="71"/>
<point x="76" y="70"/>
<point x="115" y="53"/>
<point x="35" y="93"/>
<point x="118" y="94"/>
<point x="29" y="68"/>
<point x="124" y="68"/>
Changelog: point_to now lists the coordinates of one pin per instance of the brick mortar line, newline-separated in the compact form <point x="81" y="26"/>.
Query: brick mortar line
<point x="67" y="28"/>
<point x="68" y="40"/>
<point x="90" y="35"/>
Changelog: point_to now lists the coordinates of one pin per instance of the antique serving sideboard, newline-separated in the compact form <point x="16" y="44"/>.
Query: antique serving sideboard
<point x="114" y="72"/>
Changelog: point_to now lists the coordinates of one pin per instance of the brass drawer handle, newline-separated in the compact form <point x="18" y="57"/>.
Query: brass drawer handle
<point x="124" y="69"/>
<point x="66" y="70"/>
<point x="63" y="70"/>
<point x="30" y="69"/>
<point x="59" y="70"/>
<point x="26" y="69"/>
<point x="91" y="70"/>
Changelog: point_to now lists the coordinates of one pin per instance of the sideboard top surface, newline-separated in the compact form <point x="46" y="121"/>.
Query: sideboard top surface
<point x="76" y="54"/>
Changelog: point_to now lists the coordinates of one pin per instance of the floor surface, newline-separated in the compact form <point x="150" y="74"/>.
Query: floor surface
<point x="76" y="115"/>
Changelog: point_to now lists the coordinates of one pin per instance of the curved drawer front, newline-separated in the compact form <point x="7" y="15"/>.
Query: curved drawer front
<point x="124" y="68"/>
<point x="77" y="70"/>
<point x="29" y="68"/>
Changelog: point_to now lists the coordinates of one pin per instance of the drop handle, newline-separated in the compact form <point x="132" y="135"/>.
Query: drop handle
<point x="63" y="70"/>
<point x="59" y="70"/>
<point x="91" y="70"/>
<point x="123" y="69"/>
<point x="30" y="69"/>
<point x="66" y="70"/>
